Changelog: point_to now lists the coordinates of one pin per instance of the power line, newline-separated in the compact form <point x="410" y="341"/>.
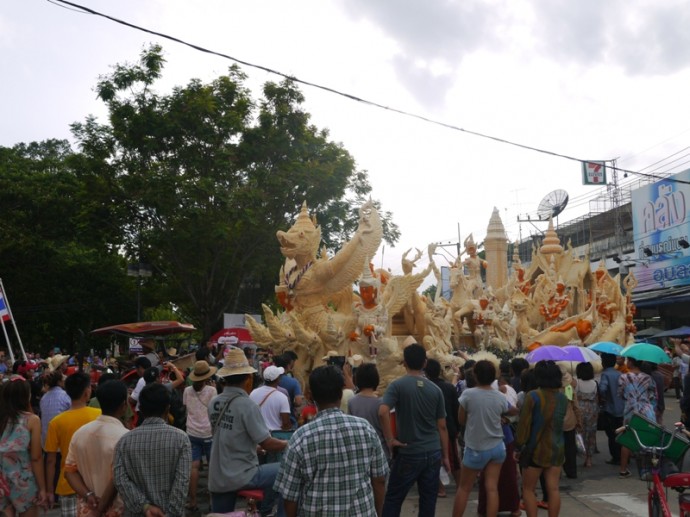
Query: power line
<point x="348" y="95"/>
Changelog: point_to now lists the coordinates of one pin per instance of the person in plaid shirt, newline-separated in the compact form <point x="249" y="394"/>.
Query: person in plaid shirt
<point x="335" y="464"/>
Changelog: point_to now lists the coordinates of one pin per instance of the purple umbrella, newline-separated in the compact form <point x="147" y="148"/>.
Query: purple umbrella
<point x="548" y="353"/>
<point x="574" y="354"/>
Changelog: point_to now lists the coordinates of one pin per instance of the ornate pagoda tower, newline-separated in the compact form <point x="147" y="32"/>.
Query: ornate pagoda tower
<point x="496" y="250"/>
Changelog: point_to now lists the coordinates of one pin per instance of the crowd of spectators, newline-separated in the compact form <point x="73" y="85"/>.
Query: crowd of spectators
<point x="99" y="436"/>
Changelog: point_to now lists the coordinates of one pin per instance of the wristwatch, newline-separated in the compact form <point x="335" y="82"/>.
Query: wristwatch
<point x="88" y="494"/>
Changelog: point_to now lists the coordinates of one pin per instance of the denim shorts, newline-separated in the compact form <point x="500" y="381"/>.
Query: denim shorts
<point x="200" y="447"/>
<point x="477" y="460"/>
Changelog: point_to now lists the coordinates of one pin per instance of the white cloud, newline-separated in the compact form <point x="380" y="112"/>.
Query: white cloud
<point x="594" y="80"/>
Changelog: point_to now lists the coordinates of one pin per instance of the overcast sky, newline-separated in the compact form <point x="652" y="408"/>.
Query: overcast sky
<point x="589" y="79"/>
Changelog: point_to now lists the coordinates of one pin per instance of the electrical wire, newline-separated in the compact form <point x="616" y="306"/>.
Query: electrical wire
<point x="351" y="96"/>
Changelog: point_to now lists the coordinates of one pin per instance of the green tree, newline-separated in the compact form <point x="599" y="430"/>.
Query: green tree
<point x="430" y="292"/>
<point x="210" y="176"/>
<point x="58" y="249"/>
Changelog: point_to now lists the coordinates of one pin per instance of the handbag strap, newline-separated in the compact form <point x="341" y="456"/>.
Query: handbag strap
<point x="214" y="425"/>
<point x="267" y="395"/>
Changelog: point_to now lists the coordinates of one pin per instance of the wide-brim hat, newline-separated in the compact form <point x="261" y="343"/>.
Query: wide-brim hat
<point x="148" y="342"/>
<point x="56" y="361"/>
<point x="202" y="371"/>
<point x="172" y="352"/>
<point x="330" y="354"/>
<point x="235" y="363"/>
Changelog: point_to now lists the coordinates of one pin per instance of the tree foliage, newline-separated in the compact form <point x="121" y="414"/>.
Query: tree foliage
<point x="204" y="176"/>
<point x="58" y="246"/>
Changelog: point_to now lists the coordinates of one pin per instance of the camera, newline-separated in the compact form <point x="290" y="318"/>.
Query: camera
<point x="338" y="360"/>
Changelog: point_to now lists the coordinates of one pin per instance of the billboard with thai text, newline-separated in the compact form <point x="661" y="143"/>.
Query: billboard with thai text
<point x="661" y="230"/>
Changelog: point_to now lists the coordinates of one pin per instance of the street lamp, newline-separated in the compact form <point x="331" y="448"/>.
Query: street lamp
<point x="139" y="270"/>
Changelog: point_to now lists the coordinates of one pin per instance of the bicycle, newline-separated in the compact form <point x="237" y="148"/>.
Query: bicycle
<point x="661" y="478"/>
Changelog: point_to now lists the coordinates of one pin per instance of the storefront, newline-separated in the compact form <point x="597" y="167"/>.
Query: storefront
<point x="661" y="230"/>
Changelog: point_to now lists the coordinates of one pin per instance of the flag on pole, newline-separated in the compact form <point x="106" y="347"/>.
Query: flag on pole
<point x="4" y="312"/>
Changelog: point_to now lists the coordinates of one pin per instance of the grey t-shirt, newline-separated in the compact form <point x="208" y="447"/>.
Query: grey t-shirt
<point x="368" y="409"/>
<point x="233" y="460"/>
<point x="484" y="408"/>
<point x="419" y="405"/>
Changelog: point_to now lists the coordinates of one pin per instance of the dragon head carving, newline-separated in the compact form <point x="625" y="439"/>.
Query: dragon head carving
<point x="303" y="239"/>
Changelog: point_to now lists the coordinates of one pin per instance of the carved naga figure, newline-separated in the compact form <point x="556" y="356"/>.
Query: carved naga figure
<point x="309" y="284"/>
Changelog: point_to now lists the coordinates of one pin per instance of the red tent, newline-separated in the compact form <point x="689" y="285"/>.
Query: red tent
<point x="223" y="336"/>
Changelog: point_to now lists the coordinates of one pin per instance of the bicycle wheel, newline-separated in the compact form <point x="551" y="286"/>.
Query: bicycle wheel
<point x="655" y="505"/>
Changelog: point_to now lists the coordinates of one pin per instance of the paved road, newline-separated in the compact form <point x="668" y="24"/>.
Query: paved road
<point x="596" y="492"/>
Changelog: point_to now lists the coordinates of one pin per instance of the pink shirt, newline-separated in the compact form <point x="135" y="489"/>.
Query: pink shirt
<point x="198" y="424"/>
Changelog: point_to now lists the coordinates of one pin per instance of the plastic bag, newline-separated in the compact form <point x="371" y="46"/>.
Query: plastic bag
<point x="580" y="444"/>
<point x="445" y="480"/>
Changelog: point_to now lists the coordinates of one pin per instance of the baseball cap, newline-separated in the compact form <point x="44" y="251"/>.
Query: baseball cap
<point x="273" y="372"/>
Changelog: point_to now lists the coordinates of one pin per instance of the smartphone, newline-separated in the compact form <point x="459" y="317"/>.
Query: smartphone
<point x="338" y="360"/>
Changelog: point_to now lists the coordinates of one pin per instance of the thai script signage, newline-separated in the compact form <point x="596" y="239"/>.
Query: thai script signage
<point x="661" y="229"/>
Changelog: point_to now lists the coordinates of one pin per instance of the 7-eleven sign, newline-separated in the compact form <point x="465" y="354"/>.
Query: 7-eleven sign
<point x="594" y="173"/>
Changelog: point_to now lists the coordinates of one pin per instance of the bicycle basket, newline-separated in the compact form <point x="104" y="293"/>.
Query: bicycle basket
<point x="653" y="435"/>
<point x="644" y="466"/>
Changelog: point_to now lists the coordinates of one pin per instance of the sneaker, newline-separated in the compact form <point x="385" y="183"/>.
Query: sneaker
<point x="543" y="504"/>
<point x="625" y="474"/>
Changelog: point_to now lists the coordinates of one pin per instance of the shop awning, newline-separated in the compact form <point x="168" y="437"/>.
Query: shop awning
<point x="662" y="296"/>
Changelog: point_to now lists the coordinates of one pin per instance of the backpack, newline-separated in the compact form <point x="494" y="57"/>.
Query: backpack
<point x="178" y="411"/>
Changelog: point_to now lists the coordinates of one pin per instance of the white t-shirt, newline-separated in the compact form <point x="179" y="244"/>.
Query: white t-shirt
<point x="137" y="391"/>
<point x="510" y="394"/>
<point x="272" y="403"/>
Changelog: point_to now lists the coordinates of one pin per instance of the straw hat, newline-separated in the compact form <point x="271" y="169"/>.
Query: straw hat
<point x="56" y="361"/>
<point x="148" y="342"/>
<point x="202" y="371"/>
<point x="331" y="353"/>
<point x="172" y="352"/>
<point x="235" y="363"/>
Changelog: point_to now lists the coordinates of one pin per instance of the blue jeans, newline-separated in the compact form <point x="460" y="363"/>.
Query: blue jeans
<point x="200" y="447"/>
<point x="406" y="469"/>
<point x="264" y="479"/>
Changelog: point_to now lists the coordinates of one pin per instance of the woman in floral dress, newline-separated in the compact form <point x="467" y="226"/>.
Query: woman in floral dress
<point x="22" y="482"/>
<point x="638" y="391"/>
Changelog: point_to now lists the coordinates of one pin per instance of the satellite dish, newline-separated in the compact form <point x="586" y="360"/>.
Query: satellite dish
<point x="552" y="204"/>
